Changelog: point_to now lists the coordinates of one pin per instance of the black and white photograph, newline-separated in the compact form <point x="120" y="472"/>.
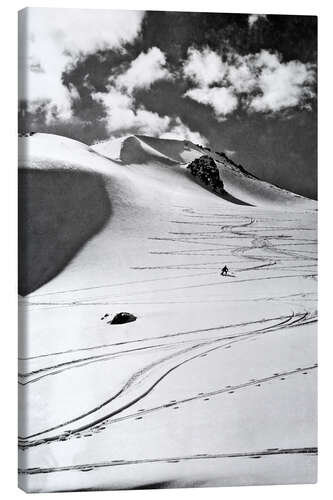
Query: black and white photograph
<point x="167" y="249"/>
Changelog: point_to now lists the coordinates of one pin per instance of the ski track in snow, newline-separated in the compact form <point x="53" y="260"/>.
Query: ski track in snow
<point x="201" y="456"/>
<point x="136" y="377"/>
<point x="249" y="244"/>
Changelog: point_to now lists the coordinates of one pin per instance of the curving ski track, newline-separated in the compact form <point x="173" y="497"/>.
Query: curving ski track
<point x="254" y="246"/>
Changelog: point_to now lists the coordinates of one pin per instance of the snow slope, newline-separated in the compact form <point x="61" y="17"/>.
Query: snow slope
<point x="246" y="188"/>
<point x="214" y="384"/>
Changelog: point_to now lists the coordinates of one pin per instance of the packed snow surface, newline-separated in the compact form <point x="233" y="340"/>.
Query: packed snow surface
<point x="215" y="381"/>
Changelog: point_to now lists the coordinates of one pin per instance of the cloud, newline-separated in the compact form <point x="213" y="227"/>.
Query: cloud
<point x="123" y="116"/>
<point x="56" y="41"/>
<point x="146" y="69"/>
<point x="51" y="38"/>
<point x="204" y="67"/>
<point x="282" y="85"/>
<point x="241" y="76"/>
<point x="259" y="82"/>
<point x="221" y="99"/>
<point x="180" y="131"/>
<point x="253" y="18"/>
<point x="122" y="113"/>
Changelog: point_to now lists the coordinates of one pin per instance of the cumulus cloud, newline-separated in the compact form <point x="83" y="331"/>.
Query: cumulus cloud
<point x="146" y="69"/>
<point x="241" y="76"/>
<point x="124" y="116"/>
<point x="221" y="99"/>
<point x="259" y="82"/>
<point x="181" y="132"/>
<point x="282" y="85"/>
<point x="204" y="67"/>
<point x="122" y="113"/>
<point x="81" y="30"/>
<point x="51" y="38"/>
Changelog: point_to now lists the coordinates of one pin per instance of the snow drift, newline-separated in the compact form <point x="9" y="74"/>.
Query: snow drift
<point x="59" y="210"/>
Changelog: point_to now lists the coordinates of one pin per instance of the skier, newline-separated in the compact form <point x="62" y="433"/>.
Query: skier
<point x="224" y="271"/>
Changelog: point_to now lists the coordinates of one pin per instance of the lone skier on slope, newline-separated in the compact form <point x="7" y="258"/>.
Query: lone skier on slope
<point x="224" y="271"/>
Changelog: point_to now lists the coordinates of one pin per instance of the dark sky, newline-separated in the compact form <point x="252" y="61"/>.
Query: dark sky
<point x="265" y="118"/>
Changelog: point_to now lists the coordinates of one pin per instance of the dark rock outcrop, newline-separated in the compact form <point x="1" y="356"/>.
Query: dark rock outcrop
<point x="122" y="317"/>
<point x="206" y="171"/>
